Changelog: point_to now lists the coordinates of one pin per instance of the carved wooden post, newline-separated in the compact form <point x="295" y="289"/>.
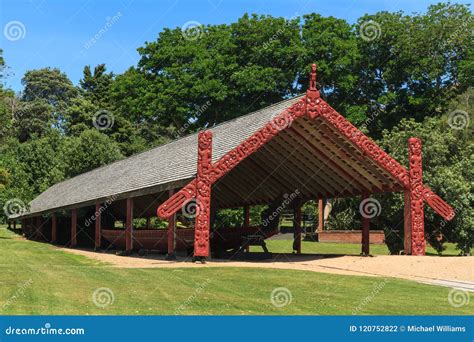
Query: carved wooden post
<point x="203" y="195"/>
<point x="129" y="227"/>
<point x="321" y="215"/>
<point x="171" y="234"/>
<point x="407" y="223"/>
<point x="98" y="226"/>
<point x="73" y="227"/>
<point x="54" y="229"/>
<point x="417" y="216"/>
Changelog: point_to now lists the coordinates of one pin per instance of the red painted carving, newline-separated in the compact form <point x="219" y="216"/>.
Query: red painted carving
<point x="175" y="202"/>
<point x="360" y="140"/>
<point x="312" y="95"/>
<point x="438" y="205"/>
<point x="203" y="195"/>
<point x="416" y="197"/>
<point x="235" y="156"/>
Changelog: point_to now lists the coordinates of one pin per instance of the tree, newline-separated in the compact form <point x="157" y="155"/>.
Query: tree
<point x="51" y="87"/>
<point x="89" y="150"/>
<point x="413" y="66"/>
<point x="32" y="118"/>
<point x="221" y="75"/>
<point x="97" y="85"/>
<point x="332" y="43"/>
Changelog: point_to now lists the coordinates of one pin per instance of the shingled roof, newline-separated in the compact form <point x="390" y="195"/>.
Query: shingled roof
<point x="165" y="167"/>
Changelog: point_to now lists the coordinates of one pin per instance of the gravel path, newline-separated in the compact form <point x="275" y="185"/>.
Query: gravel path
<point x="444" y="271"/>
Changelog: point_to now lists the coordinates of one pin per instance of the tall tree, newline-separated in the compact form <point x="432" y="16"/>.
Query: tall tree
<point x="96" y="85"/>
<point x="413" y="65"/>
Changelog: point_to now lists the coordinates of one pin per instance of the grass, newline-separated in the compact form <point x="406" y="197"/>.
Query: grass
<point x="37" y="278"/>
<point x="285" y="246"/>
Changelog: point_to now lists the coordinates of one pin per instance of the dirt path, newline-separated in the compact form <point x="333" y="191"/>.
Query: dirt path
<point x="444" y="271"/>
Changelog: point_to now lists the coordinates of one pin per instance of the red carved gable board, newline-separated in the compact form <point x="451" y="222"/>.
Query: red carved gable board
<point x="313" y="106"/>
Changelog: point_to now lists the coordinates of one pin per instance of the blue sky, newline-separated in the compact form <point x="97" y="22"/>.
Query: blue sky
<point x="57" y="33"/>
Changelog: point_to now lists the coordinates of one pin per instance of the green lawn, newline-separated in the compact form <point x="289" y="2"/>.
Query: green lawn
<point x="36" y="278"/>
<point x="285" y="246"/>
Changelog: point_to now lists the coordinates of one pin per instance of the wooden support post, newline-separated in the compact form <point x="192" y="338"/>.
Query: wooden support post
<point x="297" y="228"/>
<point x="407" y="223"/>
<point x="14" y="224"/>
<point x="39" y="224"/>
<point x="23" y="226"/>
<point x="417" y="216"/>
<point x="203" y="196"/>
<point x="129" y="227"/>
<point x="73" y="227"/>
<point x="54" y="229"/>
<point x="321" y="215"/>
<point x="365" y="235"/>
<point x="247" y="222"/>
<point x="9" y="224"/>
<point x="171" y="234"/>
<point x="246" y="216"/>
<point x="147" y="223"/>
<point x="98" y="226"/>
<point x="365" y="250"/>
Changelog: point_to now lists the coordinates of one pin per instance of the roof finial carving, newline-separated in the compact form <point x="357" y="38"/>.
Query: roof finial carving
<point x="312" y="80"/>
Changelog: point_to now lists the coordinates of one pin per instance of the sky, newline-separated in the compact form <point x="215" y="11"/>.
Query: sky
<point x="60" y="33"/>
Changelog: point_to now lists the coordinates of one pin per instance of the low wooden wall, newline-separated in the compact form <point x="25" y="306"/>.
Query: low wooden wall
<point x="351" y="236"/>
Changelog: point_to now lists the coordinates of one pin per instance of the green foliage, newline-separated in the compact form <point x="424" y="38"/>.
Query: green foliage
<point x="226" y="218"/>
<point x="89" y="150"/>
<point x="97" y="85"/>
<point x="32" y="118"/>
<point x="417" y="62"/>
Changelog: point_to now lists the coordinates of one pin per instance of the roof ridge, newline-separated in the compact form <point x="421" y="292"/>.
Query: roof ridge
<point x="171" y="142"/>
